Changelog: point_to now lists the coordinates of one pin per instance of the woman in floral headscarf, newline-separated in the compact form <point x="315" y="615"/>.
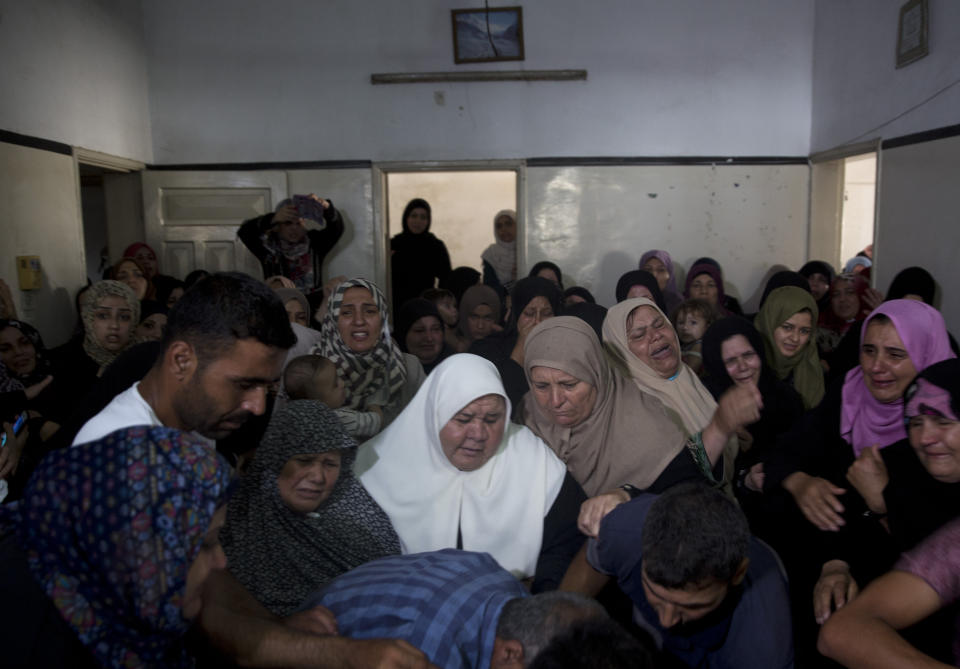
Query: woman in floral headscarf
<point x="107" y="571"/>
<point x="110" y="313"/>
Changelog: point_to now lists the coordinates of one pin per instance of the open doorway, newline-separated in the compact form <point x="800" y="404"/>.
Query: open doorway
<point x="859" y="205"/>
<point x="111" y="207"/>
<point x="93" y="205"/>
<point x="843" y="193"/>
<point x="463" y="205"/>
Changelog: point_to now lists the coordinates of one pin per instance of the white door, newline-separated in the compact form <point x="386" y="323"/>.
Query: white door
<point x="191" y="217"/>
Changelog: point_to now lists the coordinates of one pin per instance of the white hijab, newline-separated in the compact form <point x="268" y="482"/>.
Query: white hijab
<point x="502" y="255"/>
<point x="499" y="508"/>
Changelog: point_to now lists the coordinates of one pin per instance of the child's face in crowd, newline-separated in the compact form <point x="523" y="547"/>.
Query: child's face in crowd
<point x="329" y="387"/>
<point x="690" y="327"/>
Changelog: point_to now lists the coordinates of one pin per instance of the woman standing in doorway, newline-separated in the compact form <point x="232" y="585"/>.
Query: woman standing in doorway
<point x="417" y="257"/>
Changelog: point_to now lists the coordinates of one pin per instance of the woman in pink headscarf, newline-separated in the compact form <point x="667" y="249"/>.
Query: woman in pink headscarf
<point x="899" y="339"/>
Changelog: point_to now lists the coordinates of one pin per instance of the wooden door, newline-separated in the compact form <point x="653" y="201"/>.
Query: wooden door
<point x="191" y="217"/>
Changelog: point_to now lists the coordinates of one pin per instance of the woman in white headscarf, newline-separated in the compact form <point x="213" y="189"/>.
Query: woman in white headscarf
<point x="500" y="258"/>
<point x="452" y="472"/>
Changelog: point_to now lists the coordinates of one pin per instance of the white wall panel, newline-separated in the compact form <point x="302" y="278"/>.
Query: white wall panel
<point x="40" y="210"/>
<point x="351" y="192"/>
<point x="595" y="222"/>
<point x="919" y="218"/>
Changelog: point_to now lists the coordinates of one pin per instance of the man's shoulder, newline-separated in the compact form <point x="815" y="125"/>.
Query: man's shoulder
<point x="125" y="410"/>
<point x="761" y="626"/>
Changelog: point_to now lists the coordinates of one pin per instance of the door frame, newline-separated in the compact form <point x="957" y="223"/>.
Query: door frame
<point x="380" y="171"/>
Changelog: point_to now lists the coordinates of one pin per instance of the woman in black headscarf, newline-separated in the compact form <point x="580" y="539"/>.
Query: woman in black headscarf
<point x="548" y="270"/>
<point x="419" y="331"/>
<point x="734" y="354"/>
<point x="533" y="300"/>
<point x="417" y="257"/>
<point x="639" y="283"/>
<point x="913" y="283"/>
<point x="820" y="276"/>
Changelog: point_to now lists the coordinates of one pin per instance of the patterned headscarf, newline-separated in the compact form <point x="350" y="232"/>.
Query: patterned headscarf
<point x="42" y="368"/>
<point x="280" y="555"/>
<point x="98" y="291"/>
<point x="110" y="529"/>
<point x="363" y="373"/>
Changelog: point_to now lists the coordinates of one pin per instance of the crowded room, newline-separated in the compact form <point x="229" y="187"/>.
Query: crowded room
<point x="365" y="335"/>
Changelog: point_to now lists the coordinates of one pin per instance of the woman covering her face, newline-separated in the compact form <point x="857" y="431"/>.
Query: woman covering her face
<point x="300" y="517"/>
<point x="453" y="472"/>
<point x="118" y="557"/>
<point x="787" y="321"/>
<point x="356" y="338"/>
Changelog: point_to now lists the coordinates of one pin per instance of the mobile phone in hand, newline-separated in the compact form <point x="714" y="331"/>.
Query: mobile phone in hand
<point x="19" y="423"/>
<point x="309" y="209"/>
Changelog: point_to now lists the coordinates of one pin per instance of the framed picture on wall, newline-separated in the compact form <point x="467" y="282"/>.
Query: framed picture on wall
<point x="912" y="32"/>
<point x="485" y="35"/>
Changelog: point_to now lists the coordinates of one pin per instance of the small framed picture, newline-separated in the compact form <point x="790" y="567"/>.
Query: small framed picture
<point x="486" y="35"/>
<point x="912" y="32"/>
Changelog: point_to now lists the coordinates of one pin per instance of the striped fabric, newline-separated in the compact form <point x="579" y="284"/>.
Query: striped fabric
<point x="446" y="603"/>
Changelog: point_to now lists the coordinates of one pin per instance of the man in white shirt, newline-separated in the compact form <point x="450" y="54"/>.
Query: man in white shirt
<point x="223" y="347"/>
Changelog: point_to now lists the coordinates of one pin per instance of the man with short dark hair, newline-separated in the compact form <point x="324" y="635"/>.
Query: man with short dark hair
<point x="223" y="347"/>
<point x="460" y="608"/>
<point x="708" y="592"/>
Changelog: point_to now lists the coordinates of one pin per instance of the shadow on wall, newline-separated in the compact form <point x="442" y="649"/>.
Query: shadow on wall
<point x="50" y="311"/>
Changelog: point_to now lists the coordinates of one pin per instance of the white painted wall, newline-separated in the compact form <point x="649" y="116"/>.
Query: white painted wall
<point x="856" y="86"/>
<point x="918" y="216"/>
<point x="242" y="80"/>
<point x="75" y="71"/>
<point x="352" y="193"/>
<point x="596" y="222"/>
<point x="40" y="196"/>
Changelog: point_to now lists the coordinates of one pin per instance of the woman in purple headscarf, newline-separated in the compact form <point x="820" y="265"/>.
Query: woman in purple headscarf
<point x="660" y="264"/>
<point x="899" y="339"/>
<point x="705" y="282"/>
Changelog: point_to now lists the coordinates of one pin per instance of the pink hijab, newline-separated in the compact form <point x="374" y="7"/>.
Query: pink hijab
<point x="864" y="421"/>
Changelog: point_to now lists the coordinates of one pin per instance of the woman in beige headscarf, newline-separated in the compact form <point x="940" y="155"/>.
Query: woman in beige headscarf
<point x="607" y="432"/>
<point x="645" y="347"/>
